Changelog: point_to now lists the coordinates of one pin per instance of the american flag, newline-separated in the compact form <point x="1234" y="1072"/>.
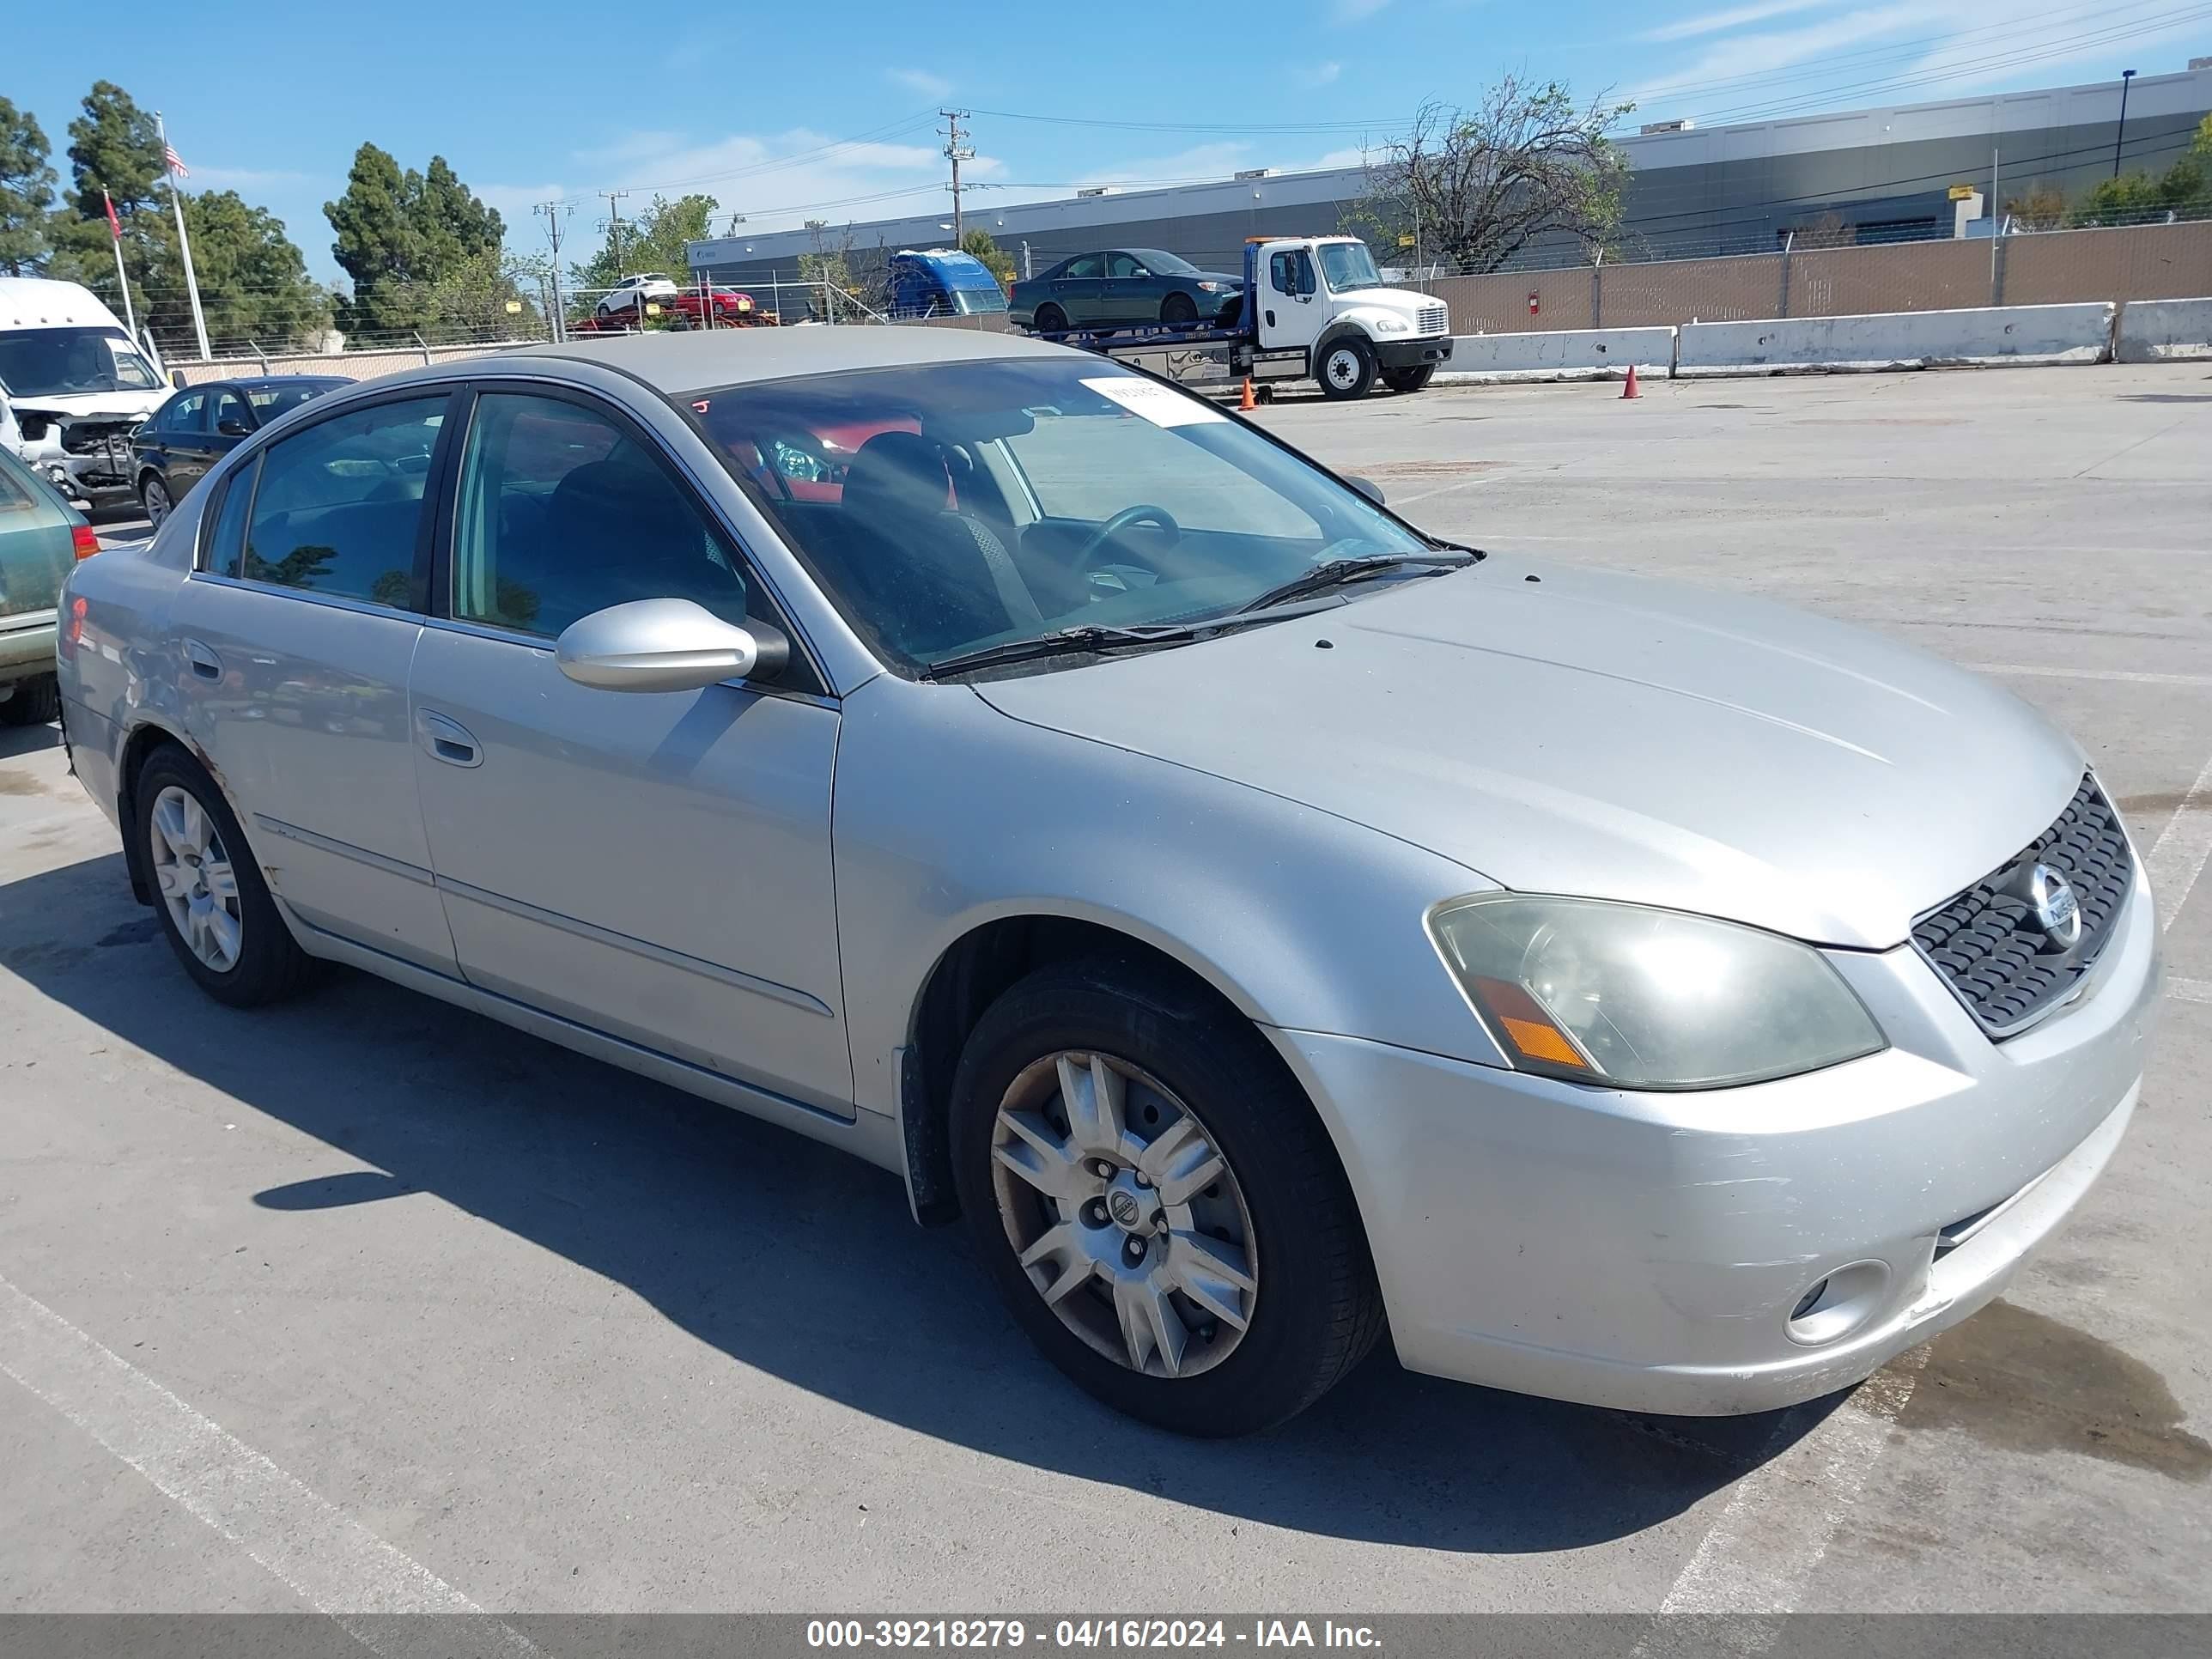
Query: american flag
<point x="175" y="162"/>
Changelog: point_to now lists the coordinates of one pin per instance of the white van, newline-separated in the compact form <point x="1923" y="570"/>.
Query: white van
<point x="75" y="386"/>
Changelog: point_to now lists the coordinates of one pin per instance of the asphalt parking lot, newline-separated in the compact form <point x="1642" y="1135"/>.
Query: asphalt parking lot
<point x="403" y="1304"/>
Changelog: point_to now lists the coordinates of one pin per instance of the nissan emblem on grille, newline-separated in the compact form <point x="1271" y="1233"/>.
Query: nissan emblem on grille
<point x="2057" y="912"/>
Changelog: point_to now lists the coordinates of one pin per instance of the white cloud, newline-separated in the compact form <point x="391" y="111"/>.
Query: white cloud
<point x="1763" y="53"/>
<point x="1321" y="74"/>
<point x="1719" y="22"/>
<point x="921" y="81"/>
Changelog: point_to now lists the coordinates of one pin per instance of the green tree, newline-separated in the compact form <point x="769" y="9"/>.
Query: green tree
<point x="993" y="258"/>
<point x="1476" y="185"/>
<point x="654" y="241"/>
<point x="27" y="184"/>
<point x="254" y="286"/>
<point x="113" y="146"/>
<point x="2183" y="190"/>
<point x="413" y="243"/>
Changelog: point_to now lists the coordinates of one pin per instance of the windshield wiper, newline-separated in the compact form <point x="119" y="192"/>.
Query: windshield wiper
<point x="1338" y="572"/>
<point x="1089" y="641"/>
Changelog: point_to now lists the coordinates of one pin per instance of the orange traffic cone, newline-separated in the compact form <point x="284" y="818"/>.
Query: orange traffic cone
<point x="1247" y="401"/>
<point x="1630" y="390"/>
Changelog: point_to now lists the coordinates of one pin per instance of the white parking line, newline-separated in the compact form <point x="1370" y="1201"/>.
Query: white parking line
<point x="1755" y="1564"/>
<point x="329" y="1560"/>
<point x="2177" y="857"/>
<point x="2123" y="676"/>
<point x="2190" y="990"/>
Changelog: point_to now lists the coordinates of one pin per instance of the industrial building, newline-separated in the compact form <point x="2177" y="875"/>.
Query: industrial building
<point x="1886" y="174"/>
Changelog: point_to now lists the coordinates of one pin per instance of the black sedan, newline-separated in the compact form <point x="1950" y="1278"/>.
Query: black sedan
<point x="1121" y="285"/>
<point x="180" y="442"/>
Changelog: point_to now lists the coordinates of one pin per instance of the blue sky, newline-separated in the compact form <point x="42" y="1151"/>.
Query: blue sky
<point x="560" y="97"/>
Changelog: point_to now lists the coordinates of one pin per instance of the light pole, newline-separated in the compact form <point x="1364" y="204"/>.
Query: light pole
<point x="2121" y="132"/>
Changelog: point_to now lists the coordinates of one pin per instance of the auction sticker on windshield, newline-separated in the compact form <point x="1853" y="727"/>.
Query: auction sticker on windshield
<point x="1161" y="405"/>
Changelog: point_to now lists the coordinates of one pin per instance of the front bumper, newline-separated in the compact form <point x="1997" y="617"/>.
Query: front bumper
<point x="1412" y="353"/>
<point x="1647" y="1252"/>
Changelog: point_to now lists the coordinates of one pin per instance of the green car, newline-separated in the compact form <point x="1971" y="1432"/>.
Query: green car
<point x="1121" y="286"/>
<point x="41" y="536"/>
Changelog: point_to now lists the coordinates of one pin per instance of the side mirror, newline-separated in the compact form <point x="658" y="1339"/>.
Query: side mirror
<point x="231" y="427"/>
<point x="1367" y="488"/>
<point x="665" y="645"/>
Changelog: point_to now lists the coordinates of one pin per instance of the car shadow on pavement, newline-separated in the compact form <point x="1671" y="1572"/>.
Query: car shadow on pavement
<point x="839" y="1292"/>
<point x="28" y="739"/>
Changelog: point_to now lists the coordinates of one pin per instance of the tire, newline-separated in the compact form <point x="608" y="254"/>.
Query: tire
<point x="154" y="496"/>
<point x="1409" y="379"/>
<point x="265" y="963"/>
<point x="35" y="701"/>
<point x="1283" y="1228"/>
<point x="1178" y="308"/>
<point x="1346" y="368"/>
<point x="1051" y="319"/>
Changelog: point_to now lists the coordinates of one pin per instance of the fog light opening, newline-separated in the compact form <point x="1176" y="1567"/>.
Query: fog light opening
<point x="1838" y="1304"/>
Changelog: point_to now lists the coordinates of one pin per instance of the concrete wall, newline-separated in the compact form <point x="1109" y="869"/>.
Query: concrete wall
<point x="2164" y="331"/>
<point x="2014" y="334"/>
<point x="1561" y="355"/>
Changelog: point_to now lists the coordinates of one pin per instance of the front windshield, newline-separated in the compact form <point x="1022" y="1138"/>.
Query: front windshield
<point x="62" y="362"/>
<point x="969" y="301"/>
<point x="1348" y="265"/>
<point x="953" y="506"/>
<point x="1160" y="263"/>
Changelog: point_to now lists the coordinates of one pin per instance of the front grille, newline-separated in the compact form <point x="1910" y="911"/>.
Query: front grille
<point x="1988" y="943"/>
<point x="1433" y="318"/>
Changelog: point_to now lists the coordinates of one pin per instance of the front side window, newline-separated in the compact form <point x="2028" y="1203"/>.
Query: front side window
<point x="231" y="417"/>
<point x="1000" y="501"/>
<point x="184" y="414"/>
<point x="1123" y="266"/>
<point x="339" y="505"/>
<point x="562" y="512"/>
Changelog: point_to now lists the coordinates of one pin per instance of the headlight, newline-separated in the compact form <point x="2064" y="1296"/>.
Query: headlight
<point x="1214" y="287"/>
<point x="1643" y="998"/>
<point x="1391" y="325"/>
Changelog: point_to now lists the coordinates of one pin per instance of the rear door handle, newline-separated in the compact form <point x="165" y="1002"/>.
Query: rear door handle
<point x="205" y="662"/>
<point x="447" y="740"/>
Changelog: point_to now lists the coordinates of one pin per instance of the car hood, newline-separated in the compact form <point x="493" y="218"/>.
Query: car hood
<point x="80" y="405"/>
<point x="1570" y="731"/>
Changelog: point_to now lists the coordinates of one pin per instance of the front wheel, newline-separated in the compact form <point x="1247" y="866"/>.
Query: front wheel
<point x="1347" y="369"/>
<point x="1409" y="379"/>
<point x="1178" y="308"/>
<point x="1158" y="1204"/>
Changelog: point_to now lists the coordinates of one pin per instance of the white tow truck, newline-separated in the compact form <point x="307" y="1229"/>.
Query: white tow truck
<point x="1314" y="308"/>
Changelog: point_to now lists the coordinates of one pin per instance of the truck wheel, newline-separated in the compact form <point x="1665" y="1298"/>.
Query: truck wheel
<point x="1157" y="1202"/>
<point x="1178" y="308"/>
<point x="1346" y="368"/>
<point x="1409" y="379"/>
<point x="1050" y="320"/>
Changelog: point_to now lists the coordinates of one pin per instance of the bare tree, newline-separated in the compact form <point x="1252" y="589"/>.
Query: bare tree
<point x="1472" y="187"/>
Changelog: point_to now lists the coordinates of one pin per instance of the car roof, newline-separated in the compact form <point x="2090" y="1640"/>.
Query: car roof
<point x="697" y="361"/>
<point x="258" y="382"/>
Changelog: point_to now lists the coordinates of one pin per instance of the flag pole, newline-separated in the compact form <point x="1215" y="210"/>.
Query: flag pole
<point x="184" y="242"/>
<point x="115" y="234"/>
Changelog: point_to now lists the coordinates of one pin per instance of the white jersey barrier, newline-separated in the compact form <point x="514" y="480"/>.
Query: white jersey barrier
<point x="1566" y="354"/>
<point x="1905" y="339"/>
<point x="2164" y="331"/>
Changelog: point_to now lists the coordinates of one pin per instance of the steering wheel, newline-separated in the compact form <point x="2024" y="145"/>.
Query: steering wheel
<point x="1140" y="513"/>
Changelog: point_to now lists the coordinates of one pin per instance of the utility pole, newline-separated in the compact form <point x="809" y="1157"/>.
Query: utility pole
<point x="614" y="227"/>
<point x="551" y="212"/>
<point x="956" y="153"/>
<point x="2121" y="132"/>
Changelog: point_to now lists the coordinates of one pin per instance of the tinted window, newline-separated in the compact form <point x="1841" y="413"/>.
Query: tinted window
<point x="270" y="401"/>
<point x="182" y="414"/>
<point x="225" y="541"/>
<point x="1088" y="266"/>
<point x="1123" y="264"/>
<point x="339" y="504"/>
<point x="562" y="512"/>
<point x="229" y="406"/>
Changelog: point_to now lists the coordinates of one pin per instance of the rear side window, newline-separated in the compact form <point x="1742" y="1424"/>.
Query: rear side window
<point x="338" y="505"/>
<point x="183" y="414"/>
<point x="1088" y="266"/>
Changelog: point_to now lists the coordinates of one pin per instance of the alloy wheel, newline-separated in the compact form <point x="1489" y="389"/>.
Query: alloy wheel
<point x="157" y="502"/>
<point x="1124" y="1214"/>
<point x="193" y="872"/>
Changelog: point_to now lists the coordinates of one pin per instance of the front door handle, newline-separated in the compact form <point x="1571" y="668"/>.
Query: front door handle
<point x="205" y="662"/>
<point x="447" y="740"/>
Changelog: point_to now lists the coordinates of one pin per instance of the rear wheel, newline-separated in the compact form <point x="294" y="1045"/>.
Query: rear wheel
<point x="33" y="701"/>
<point x="213" y="905"/>
<point x="1348" y="367"/>
<point x="1157" y="1203"/>
<point x="1178" y="308"/>
<point x="1051" y="319"/>
<point x="1409" y="379"/>
<point x="154" y="496"/>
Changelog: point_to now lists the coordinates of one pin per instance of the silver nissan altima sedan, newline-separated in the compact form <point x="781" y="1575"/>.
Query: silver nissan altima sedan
<point x="1263" y="925"/>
